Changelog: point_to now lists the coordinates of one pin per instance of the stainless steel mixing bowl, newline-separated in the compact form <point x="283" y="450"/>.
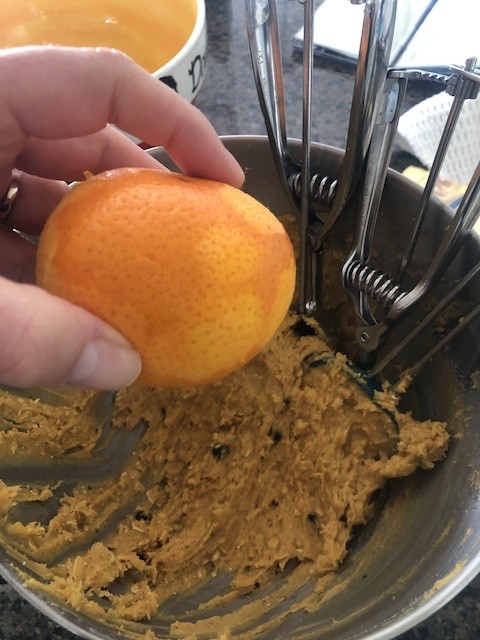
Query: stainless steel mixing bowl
<point x="424" y="546"/>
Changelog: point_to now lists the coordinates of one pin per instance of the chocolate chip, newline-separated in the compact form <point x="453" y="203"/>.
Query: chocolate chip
<point x="141" y="515"/>
<point x="301" y="328"/>
<point x="220" y="451"/>
<point x="163" y="482"/>
<point x="275" y="435"/>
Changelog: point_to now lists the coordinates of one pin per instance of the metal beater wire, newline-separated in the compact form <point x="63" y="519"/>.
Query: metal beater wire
<point x="376" y="106"/>
<point x="461" y="93"/>
<point x="424" y="323"/>
<point x="306" y="285"/>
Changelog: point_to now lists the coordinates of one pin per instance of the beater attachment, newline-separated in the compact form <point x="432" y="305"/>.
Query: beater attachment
<point x="380" y="300"/>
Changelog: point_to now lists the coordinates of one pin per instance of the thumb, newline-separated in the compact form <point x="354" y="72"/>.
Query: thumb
<point x="46" y="341"/>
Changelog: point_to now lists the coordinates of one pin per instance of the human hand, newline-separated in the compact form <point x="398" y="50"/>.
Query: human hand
<point x="55" y="108"/>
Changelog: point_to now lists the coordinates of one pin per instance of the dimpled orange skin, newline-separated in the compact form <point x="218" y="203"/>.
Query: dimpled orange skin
<point x="196" y="274"/>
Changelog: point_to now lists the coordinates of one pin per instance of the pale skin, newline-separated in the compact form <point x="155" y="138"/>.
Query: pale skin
<point x="56" y="107"/>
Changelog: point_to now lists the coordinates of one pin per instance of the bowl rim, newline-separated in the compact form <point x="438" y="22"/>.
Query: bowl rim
<point x="193" y="39"/>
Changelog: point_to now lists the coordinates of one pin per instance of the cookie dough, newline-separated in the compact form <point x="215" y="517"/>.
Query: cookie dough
<point x="263" y="473"/>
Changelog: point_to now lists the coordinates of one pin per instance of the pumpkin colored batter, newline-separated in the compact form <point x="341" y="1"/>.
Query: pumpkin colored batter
<point x="271" y="468"/>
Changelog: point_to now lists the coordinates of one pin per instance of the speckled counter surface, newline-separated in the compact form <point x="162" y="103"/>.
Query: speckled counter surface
<point x="228" y="97"/>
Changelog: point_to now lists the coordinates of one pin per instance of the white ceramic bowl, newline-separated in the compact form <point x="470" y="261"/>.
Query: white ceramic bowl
<point x="186" y="70"/>
<point x="166" y="37"/>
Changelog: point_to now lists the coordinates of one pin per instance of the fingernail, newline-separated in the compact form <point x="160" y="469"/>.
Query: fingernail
<point x="105" y="364"/>
<point x="237" y="171"/>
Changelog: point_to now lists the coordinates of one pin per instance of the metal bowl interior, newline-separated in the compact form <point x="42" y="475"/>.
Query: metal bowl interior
<point x="423" y="547"/>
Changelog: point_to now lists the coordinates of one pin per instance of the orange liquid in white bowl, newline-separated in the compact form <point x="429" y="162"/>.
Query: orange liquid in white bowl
<point x="151" y="32"/>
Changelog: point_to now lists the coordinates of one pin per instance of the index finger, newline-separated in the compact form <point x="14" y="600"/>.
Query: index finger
<point x="63" y="92"/>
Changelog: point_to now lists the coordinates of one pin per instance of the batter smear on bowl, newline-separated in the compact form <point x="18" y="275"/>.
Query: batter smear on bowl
<point x="265" y="472"/>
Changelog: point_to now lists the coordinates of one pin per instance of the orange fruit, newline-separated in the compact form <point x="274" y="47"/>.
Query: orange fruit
<point x="196" y="274"/>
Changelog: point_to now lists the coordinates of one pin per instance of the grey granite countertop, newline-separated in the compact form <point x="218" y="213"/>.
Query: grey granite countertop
<point x="228" y="98"/>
